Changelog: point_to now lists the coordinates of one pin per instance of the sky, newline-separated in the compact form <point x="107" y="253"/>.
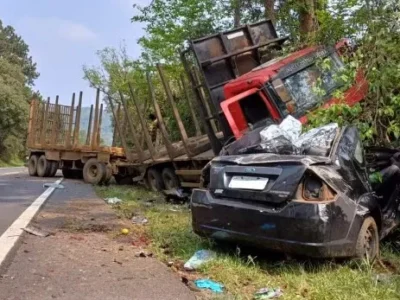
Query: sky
<point x="65" y="35"/>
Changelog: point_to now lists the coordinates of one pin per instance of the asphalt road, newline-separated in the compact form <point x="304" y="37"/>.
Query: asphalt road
<point x="17" y="191"/>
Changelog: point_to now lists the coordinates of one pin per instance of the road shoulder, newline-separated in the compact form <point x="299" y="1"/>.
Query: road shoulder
<point x="83" y="259"/>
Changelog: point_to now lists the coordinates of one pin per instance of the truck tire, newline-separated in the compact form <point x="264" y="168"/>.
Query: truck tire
<point x="94" y="172"/>
<point x="170" y="179"/>
<point x="154" y="180"/>
<point x="108" y="174"/>
<point x="367" y="246"/>
<point x="43" y="166"/>
<point x="54" y="168"/>
<point x="32" y="165"/>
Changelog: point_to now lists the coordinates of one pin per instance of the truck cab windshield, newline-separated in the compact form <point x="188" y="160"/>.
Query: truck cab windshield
<point x="314" y="83"/>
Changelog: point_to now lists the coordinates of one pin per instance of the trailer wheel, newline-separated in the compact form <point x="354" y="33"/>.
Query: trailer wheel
<point x="367" y="246"/>
<point x="32" y="165"/>
<point x="54" y="168"/>
<point x="171" y="181"/>
<point x="43" y="166"/>
<point x="94" y="172"/>
<point x="155" y="180"/>
<point x="108" y="176"/>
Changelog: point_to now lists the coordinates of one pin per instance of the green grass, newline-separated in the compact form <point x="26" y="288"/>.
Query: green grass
<point x="15" y="162"/>
<point x="243" y="271"/>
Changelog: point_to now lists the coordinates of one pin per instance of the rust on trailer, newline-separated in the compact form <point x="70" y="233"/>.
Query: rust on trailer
<point x="93" y="142"/>
<point x="175" y="111"/>
<point x="189" y="102"/>
<point x="135" y="138"/>
<point x="89" y="130"/>
<point x="142" y="123"/>
<point x="77" y="122"/>
<point x="160" y="120"/>
<point x="70" y="120"/>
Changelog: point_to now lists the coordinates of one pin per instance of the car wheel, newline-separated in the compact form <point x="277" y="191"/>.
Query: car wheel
<point x="32" y="165"/>
<point x="43" y="166"/>
<point x="367" y="246"/>
<point x="155" y="180"/>
<point x="170" y="180"/>
<point x="94" y="172"/>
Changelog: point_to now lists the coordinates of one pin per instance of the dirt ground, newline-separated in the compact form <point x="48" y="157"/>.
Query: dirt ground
<point x="84" y="258"/>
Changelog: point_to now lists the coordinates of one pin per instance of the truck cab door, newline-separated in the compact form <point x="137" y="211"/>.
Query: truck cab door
<point x="249" y="110"/>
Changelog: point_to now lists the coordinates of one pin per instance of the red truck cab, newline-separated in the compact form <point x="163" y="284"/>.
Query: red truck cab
<point x="285" y="85"/>
<point x="250" y="84"/>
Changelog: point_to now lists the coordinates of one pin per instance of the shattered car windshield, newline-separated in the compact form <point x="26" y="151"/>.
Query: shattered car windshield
<point x="301" y="85"/>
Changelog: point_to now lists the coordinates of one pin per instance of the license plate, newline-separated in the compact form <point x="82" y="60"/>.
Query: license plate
<point x="248" y="183"/>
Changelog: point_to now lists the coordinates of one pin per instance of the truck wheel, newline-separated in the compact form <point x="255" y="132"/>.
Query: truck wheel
<point x="367" y="246"/>
<point x="32" y="165"/>
<point x="155" y="180"/>
<point x="108" y="176"/>
<point x="43" y="166"/>
<point x="54" y="168"/>
<point x="94" y="172"/>
<point x="171" y="181"/>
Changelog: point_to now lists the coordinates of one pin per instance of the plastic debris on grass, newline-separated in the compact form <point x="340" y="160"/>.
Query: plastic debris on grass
<point x="268" y="293"/>
<point x="114" y="200"/>
<point x="140" y="220"/>
<point x="209" y="284"/>
<point x="198" y="259"/>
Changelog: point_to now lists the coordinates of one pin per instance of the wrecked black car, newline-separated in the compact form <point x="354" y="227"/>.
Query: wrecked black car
<point x="329" y="199"/>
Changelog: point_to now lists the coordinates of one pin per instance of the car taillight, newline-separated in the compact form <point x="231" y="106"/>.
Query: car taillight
<point x="313" y="189"/>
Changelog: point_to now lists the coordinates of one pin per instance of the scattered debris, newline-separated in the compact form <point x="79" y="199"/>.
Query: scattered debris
<point x="118" y="262"/>
<point x="170" y="263"/>
<point x="384" y="278"/>
<point x="144" y="254"/>
<point x="139" y="220"/>
<point x="36" y="231"/>
<point x="175" y="195"/>
<point x="113" y="200"/>
<point x="216" y="287"/>
<point x="125" y="231"/>
<point x="198" y="259"/>
<point x="268" y="293"/>
<point x="53" y="185"/>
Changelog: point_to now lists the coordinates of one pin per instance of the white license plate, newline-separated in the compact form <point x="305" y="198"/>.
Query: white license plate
<point x="248" y="183"/>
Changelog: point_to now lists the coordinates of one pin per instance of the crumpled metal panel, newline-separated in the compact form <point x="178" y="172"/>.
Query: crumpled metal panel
<point x="286" y="138"/>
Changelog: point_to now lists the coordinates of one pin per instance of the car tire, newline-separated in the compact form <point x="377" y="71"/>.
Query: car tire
<point x="94" y="172"/>
<point x="43" y="166"/>
<point x="32" y="165"/>
<point x="170" y="180"/>
<point x="154" y="180"/>
<point x="367" y="246"/>
<point x="54" y="168"/>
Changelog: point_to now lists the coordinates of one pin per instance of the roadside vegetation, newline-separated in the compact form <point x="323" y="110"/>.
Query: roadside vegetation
<point x="169" y="236"/>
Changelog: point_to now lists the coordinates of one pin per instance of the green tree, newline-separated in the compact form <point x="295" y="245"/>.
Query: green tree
<point x="16" y="51"/>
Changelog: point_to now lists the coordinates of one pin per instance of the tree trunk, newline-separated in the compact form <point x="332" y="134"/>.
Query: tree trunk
<point x="269" y="12"/>
<point x="307" y="18"/>
<point x="236" y="12"/>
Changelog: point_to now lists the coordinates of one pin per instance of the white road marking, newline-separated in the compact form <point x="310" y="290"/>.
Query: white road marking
<point x="10" y="173"/>
<point x="10" y="237"/>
